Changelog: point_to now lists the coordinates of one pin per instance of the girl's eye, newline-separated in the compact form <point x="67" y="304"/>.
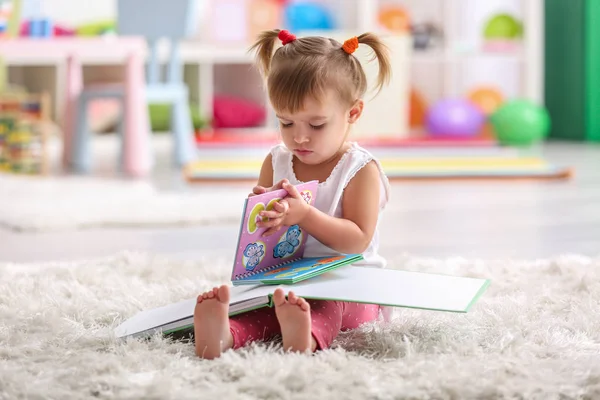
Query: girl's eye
<point x="317" y="127"/>
<point x="286" y="125"/>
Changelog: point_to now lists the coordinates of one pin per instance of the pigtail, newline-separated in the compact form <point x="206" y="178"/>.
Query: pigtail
<point x="264" y="46"/>
<point x="381" y="53"/>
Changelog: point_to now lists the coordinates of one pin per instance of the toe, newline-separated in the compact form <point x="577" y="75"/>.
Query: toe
<point x="279" y="297"/>
<point x="303" y="304"/>
<point x="199" y="299"/>
<point x="223" y="294"/>
<point x="292" y="298"/>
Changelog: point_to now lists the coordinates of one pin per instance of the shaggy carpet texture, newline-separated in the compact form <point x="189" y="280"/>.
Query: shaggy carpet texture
<point x="71" y="202"/>
<point x="534" y="334"/>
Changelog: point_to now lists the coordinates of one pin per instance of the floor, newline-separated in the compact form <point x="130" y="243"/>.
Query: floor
<point x="509" y="219"/>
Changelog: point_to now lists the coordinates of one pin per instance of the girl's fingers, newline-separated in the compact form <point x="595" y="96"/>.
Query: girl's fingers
<point x="271" y="214"/>
<point x="281" y="206"/>
<point x="270" y="223"/>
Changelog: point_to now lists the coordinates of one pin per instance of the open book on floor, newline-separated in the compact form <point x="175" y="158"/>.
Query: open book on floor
<point x="385" y="287"/>
<point x="278" y="258"/>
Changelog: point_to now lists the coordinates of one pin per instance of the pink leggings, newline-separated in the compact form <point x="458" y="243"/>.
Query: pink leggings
<point x="328" y="319"/>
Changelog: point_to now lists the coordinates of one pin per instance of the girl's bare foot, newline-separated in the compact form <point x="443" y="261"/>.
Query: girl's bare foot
<point x="211" y="323"/>
<point x="293" y="315"/>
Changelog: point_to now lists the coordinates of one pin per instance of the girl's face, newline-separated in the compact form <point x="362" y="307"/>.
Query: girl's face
<point x="317" y="133"/>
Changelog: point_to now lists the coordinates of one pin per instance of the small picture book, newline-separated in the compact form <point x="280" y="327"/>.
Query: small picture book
<point x="278" y="258"/>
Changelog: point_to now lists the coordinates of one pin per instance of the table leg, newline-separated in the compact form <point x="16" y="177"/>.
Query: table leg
<point x="137" y="154"/>
<point x="73" y="88"/>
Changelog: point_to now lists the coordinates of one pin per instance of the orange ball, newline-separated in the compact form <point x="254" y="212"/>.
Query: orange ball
<point x="394" y="19"/>
<point x="488" y="99"/>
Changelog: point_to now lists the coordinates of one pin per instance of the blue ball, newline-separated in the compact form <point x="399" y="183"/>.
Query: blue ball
<point x="307" y="16"/>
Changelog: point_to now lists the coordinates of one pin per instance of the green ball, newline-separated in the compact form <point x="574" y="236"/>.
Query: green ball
<point x="520" y="123"/>
<point x="503" y="26"/>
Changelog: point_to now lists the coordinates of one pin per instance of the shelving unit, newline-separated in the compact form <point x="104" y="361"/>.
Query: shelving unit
<point x="450" y="70"/>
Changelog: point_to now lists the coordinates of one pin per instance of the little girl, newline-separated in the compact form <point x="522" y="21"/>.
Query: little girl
<point x="315" y="85"/>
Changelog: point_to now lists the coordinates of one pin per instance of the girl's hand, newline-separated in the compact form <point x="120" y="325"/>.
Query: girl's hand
<point x="275" y="216"/>
<point x="261" y="189"/>
<point x="290" y="211"/>
<point x="297" y="207"/>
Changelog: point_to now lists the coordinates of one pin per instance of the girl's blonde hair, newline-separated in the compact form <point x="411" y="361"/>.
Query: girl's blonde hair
<point x="307" y="67"/>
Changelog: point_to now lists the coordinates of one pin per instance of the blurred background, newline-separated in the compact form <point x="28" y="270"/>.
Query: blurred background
<point x="118" y="117"/>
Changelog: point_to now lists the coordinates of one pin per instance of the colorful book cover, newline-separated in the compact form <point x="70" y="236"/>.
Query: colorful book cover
<point x="278" y="258"/>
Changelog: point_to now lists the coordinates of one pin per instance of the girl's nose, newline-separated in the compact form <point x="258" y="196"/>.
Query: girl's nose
<point x="300" y="137"/>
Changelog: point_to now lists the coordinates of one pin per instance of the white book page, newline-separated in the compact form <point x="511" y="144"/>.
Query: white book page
<point x="356" y="284"/>
<point x="393" y="288"/>
<point x="160" y="316"/>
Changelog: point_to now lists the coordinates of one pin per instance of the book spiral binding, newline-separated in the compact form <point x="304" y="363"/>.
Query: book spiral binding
<point x="260" y="271"/>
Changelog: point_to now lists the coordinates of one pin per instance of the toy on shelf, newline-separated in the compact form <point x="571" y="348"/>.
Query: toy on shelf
<point x="426" y="35"/>
<point x="306" y="16"/>
<point x="520" y="122"/>
<point x="23" y="134"/>
<point x="5" y="12"/>
<point x="97" y="28"/>
<point x="502" y="32"/>
<point x="24" y="18"/>
<point x="160" y="117"/>
<point x="454" y="118"/>
<point x="10" y="17"/>
<point x="235" y="112"/>
<point x="418" y="109"/>
<point x="394" y="19"/>
<point x="34" y="21"/>
<point x="44" y="29"/>
<point x="40" y="28"/>
<point x="487" y="98"/>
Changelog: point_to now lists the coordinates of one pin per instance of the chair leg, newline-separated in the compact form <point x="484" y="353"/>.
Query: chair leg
<point x="121" y="134"/>
<point x="73" y="88"/>
<point x="80" y="152"/>
<point x="183" y="133"/>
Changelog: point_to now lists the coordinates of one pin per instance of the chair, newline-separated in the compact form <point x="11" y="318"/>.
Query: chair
<point x="172" y="20"/>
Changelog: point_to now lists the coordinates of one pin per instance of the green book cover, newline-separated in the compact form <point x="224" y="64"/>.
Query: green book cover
<point x="298" y="270"/>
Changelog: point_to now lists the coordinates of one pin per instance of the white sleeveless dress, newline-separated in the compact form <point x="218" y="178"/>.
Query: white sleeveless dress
<point x="330" y="192"/>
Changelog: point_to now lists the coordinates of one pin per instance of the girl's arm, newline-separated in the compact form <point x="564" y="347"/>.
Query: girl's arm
<point x="360" y="210"/>
<point x="265" y="179"/>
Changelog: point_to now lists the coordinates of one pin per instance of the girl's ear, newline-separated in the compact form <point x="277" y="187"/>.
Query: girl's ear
<point x="356" y="111"/>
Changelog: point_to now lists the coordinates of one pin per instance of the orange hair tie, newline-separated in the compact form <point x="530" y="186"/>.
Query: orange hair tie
<point x="350" y="45"/>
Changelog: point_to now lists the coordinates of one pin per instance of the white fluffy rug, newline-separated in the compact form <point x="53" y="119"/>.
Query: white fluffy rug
<point x="535" y="334"/>
<point x="71" y="202"/>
